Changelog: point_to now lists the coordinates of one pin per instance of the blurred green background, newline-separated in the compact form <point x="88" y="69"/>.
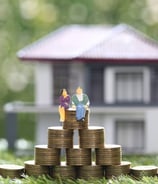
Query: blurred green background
<point x="24" y="21"/>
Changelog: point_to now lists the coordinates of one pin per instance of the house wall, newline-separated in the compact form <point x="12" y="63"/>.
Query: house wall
<point x="43" y="84"/>
<point x="151" y="118"/>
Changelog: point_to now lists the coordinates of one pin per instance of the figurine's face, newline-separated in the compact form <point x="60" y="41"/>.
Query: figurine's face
<point x="64" y="92"/>
<point x="79" y="90"/>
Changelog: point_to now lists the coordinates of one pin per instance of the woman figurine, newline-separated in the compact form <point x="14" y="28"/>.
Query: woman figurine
<point x="81" y="102"/>
<point x="64" y="101"/>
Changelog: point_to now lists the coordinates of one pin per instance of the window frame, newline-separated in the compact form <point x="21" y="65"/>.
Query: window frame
<point x="110" y="83"/>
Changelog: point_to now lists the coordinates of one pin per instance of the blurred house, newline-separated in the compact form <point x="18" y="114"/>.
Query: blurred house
<point x="117" y="66"/>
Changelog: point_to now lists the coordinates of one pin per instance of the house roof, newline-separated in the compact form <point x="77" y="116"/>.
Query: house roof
<point x="92" y="42"/>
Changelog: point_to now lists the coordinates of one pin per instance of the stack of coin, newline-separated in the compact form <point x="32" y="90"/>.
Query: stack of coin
<point x="117" y="170"/>
<point x="46" y="156"/>
<point x="93" y="137"/>
<point x="31" y="169"/>
<point x="90" y="171"/>
<point x="59" y="137"/>
<point x="63" y="171"/>
<point x="109" y="155"/>
<point x="139" y="171"/>
<point x="78" y="156"/>
<point x="11" y="170"/>
<point x="72" y="123"/>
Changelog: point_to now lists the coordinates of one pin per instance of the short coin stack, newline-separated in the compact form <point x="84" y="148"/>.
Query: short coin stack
<point x="139" y="171"/>
<point x="32" y="169"/>
<point x="109" y="155"/>
<point x="72" y="123"/>
<point x="78" y="156"/>
<point x="47" y="156"/>
<point x="117" y="170"/>
<point x="92" y="137"/>
<point x="11" y="170"/>
<point x="63" y="170"/>
<point x="91" y="171"/>
<point x="60" y="138"/>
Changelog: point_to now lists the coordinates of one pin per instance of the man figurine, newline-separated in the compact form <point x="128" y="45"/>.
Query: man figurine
<point x="64" y="102"/>
<point x="80" y="101"/>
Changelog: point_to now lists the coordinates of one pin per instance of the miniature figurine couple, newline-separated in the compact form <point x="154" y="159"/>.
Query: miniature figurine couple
<point x="80" y="102"/>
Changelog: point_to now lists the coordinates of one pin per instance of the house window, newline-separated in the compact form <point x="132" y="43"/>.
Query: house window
<point x="61" y="79"/>
<point x="96" y="81"/>
<point x="129" y="86"/>
<point x="126" y="85"/>
<point x="130" y="135"/>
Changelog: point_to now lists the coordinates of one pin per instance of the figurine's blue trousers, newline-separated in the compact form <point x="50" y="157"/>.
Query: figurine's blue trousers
<point x="80" y="112"/>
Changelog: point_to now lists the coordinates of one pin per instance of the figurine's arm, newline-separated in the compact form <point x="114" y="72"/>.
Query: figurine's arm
<point x="73" y="101"/>
<point x="86" y="101"/>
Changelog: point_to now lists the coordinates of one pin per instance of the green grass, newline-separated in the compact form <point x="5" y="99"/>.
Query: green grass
<point x="47" y="180"/>
<point x="10" y="158"/>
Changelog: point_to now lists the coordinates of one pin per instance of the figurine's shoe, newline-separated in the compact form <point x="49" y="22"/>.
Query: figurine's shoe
<point x="61" y="123"/>
<point x="81" y="120"/>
